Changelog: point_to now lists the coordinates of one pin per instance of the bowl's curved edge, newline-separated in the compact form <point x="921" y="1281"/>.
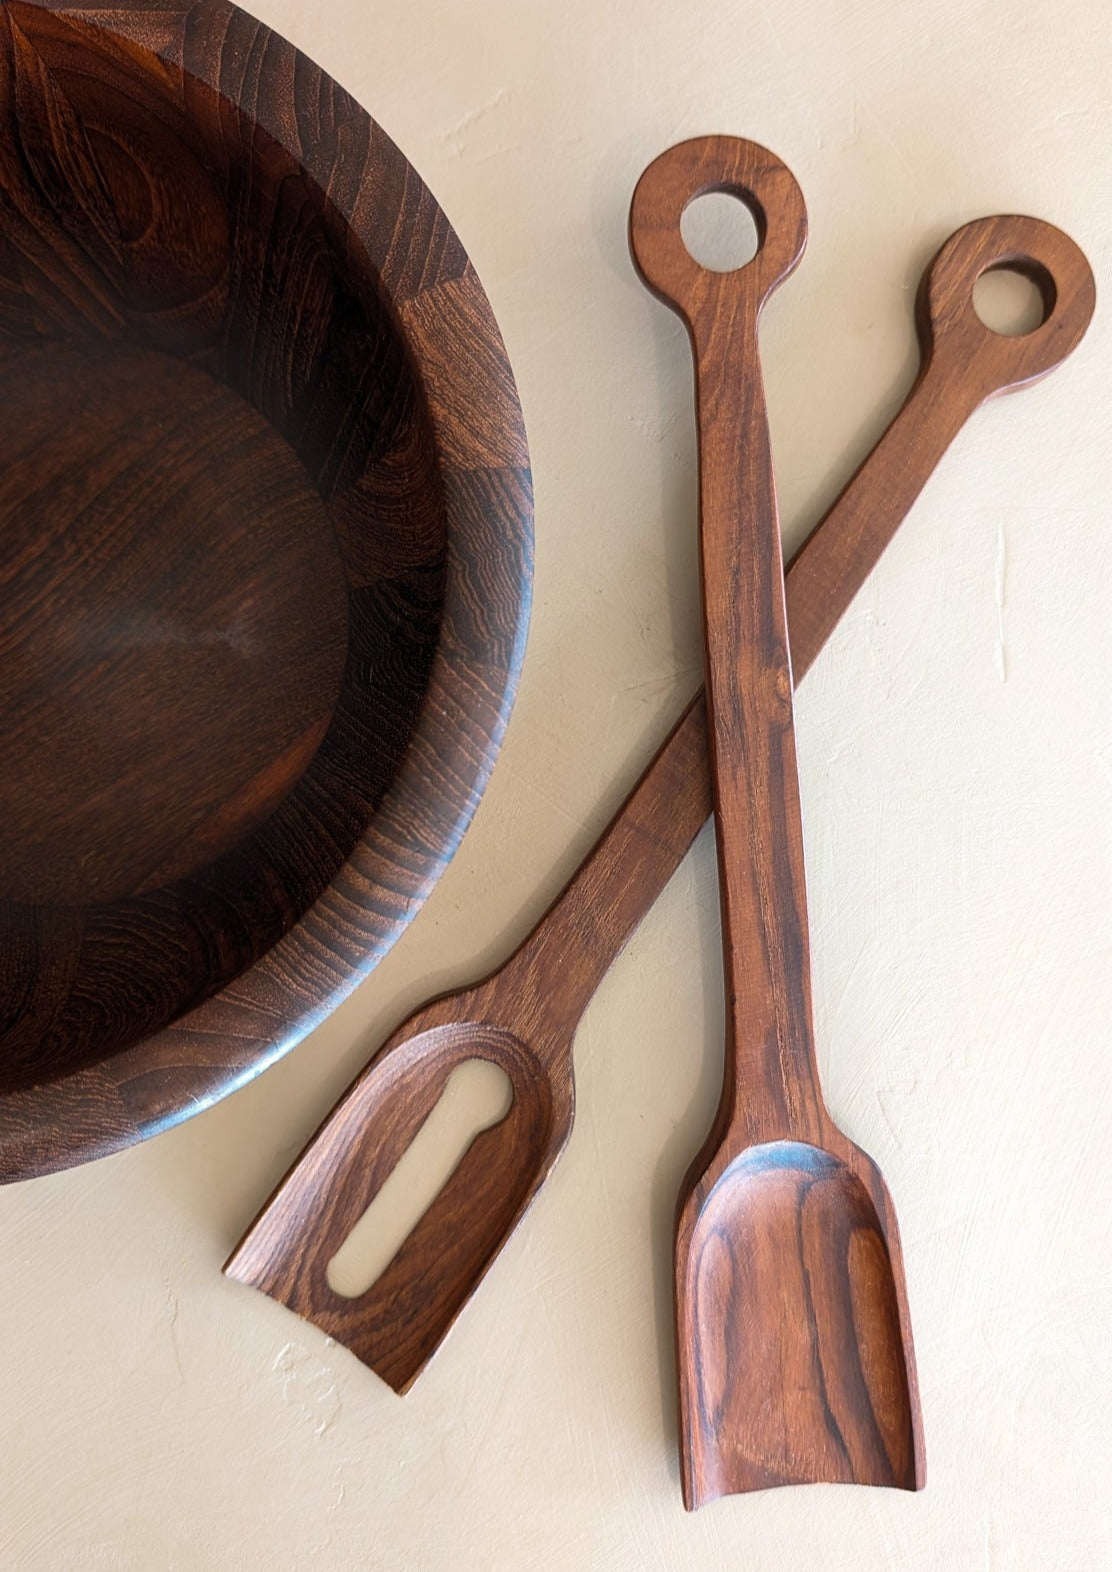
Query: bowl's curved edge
<point x="458" y="351"/>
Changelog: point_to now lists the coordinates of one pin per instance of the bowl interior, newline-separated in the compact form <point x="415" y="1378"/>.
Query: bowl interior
<point x="222" y="544"/>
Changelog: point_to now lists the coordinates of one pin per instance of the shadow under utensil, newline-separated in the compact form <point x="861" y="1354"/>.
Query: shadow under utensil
<point x="693" y="1121"/>
<point x="663" y="414"/>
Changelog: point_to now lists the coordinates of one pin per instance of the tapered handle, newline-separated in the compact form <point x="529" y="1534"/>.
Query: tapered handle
<point x="770" y="1047"/>
<point x="962" y="363"/>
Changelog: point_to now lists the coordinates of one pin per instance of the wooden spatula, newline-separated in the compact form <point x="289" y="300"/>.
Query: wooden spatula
<point x="794" y="1343"/>
<point x="524" y="1016"/>
<point x="794" y="1349"/>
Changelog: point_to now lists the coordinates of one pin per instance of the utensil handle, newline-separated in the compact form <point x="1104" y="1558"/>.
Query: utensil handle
<point x="751" y="736"/>
<point x="961" y="365"/>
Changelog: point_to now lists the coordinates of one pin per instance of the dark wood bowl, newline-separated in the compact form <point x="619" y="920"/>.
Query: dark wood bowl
<point x="265" y="559"/>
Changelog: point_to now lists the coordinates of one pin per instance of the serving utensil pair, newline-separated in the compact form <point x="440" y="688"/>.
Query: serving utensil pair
<point x="795" y="1355"/>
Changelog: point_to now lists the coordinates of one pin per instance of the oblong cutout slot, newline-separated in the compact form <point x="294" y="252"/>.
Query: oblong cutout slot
<point x="477" y="1095"/>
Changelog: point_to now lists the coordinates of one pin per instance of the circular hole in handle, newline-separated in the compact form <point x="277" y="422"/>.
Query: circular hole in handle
<point x="720" y="231"/>
<point x="1013" y="299"/>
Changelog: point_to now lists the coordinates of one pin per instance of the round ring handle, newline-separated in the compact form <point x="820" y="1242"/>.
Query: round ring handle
<point x="1055" y="264"/>
<point x="690" y="170"/>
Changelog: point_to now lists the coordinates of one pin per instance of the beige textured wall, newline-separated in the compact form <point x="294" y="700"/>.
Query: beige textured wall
<point x="956" y="753"/>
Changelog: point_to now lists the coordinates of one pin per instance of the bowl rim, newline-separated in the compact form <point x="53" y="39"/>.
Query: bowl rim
<point x="456" y="349"/>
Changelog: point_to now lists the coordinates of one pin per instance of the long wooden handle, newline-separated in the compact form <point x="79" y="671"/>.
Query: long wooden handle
<point x="961" y="365"/>
<point x="751" y="734"/>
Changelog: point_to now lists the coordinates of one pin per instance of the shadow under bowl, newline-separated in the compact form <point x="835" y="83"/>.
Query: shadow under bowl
<point x="265" y="560"/>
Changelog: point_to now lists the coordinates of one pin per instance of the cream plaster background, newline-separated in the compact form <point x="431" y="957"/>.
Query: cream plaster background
<point x="959" y="836"/>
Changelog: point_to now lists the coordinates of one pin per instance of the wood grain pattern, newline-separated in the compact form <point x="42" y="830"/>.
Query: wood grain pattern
<point x="265" y="564"/>
<point x="524" y="1016"/>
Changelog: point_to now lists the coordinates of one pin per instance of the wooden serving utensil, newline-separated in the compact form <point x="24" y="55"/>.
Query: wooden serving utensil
<point x="524" y="1016"/>
<point x="794" y="1350"/>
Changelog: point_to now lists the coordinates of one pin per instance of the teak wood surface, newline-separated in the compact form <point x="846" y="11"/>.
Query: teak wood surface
<point x="265" y="559"/>
<point x="523" y="1017"/>
<point x="793" y="1337"/>
<point x="795" y="1360"/>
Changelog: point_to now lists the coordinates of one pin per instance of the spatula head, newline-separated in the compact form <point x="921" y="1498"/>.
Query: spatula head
<point x="398" y="1323"/>
<point x="794" y="1352"/>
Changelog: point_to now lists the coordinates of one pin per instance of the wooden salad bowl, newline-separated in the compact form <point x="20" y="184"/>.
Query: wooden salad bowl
<point x="265" y="559"/>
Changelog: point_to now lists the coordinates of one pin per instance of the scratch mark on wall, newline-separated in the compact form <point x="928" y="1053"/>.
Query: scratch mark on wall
<point x="456" y="136"/>
<point x="172" y="1309"/>
<point x="172" y="1320"/>
<point x="990" y="1559"/>
<point x="1001" y="569"/>
<point x="882" y="1104"/>
<point x="312" y="1393"/>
